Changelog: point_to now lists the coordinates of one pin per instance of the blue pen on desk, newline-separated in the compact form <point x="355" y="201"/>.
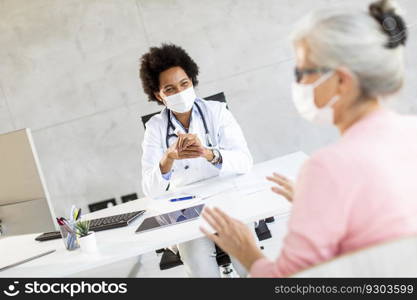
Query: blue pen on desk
<point x="182" y="198"/>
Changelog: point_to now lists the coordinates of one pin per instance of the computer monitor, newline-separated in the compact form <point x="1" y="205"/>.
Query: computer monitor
<point x="24" y="201"/>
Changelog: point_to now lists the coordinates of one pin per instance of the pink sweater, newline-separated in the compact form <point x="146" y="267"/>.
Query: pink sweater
<point x="357" y="192"/>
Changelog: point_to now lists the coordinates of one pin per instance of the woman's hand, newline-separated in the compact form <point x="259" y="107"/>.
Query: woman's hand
<point x="285" y="186"/>
<point x="232" y="236"/>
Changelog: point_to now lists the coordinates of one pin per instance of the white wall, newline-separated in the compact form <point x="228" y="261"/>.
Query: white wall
<point x="69" y="70"/>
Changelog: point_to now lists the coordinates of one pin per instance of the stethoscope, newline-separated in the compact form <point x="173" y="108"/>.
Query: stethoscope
<point x="170" y="125"/>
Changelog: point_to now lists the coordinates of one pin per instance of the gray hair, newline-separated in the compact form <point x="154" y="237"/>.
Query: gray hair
<point x="360" y="42"/>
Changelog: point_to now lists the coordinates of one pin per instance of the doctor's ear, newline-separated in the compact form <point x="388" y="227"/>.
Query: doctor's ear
<point x="158" y="97"/>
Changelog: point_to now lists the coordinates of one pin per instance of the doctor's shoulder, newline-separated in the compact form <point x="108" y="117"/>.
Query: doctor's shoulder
<point x="157" y="120"/>
<point x="215" y="108"/>
<point x="155" y="126"/>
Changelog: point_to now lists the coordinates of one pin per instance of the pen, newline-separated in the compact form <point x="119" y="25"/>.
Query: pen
<point x="182" y="198"/>
<point x="67" y="226"/>
<point x="72" y="213"/>
<point x="78" y="214"/>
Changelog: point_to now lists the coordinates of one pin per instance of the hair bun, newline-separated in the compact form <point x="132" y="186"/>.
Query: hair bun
<point x="392" y="23"/>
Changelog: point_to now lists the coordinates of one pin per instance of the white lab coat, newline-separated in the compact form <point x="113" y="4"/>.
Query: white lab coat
<point x="225" y="134"/>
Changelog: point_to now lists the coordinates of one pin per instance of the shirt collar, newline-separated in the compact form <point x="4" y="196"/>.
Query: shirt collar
<point x="194" y="113"/>
<point x="370" y="118"/>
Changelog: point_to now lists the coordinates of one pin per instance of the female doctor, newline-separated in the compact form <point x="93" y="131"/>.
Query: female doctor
<point x="190" y="140"/>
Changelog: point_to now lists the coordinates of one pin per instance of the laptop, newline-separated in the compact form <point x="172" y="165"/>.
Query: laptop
<point x="171" y="218"/>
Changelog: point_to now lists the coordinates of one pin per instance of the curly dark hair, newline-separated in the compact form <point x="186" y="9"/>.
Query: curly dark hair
<point x="160" y="59"/>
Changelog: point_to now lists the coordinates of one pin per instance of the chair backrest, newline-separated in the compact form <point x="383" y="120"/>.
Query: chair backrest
<point x="146" y="118"/>
<point x="102" y="204"/>
<point x="130" y="197"/>
<point x="220" y="97"/>
<point x="396" y="258"/>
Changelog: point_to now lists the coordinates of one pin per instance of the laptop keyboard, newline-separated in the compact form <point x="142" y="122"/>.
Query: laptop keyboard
<point x="123" y="219"/>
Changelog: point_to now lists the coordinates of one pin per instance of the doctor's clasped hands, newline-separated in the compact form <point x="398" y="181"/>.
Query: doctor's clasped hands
<point x="187" y="146"/>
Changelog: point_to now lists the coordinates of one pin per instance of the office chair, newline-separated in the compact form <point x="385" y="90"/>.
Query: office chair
<point x="111" y="202"/>
<point x="102" y="204"/>
<point x="262" y="230"/>
<point x="390" y="259"/>
<point x="224" y="262"/>
<point x="130" y="197"/>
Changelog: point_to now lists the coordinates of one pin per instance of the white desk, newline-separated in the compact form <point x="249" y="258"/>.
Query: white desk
<point x="246" y="197"/>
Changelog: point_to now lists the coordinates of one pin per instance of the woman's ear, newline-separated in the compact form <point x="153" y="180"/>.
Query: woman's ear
<point x="348" y="83"/>
<point x="345" y="80"/>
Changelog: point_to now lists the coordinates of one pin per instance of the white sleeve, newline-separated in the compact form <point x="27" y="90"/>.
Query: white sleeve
<point x="153" y="182"/>
<point x="232" y="145"/>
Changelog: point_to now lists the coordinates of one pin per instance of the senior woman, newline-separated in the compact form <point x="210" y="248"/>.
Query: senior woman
<point x="361" y="190"/>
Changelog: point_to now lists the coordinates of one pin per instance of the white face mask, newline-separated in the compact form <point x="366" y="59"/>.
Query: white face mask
<point x="303" y="97"/>
<point x="181" y="102"/>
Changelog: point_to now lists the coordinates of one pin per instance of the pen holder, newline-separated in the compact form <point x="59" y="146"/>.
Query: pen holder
<point x="88" y="243"/>
<point x="69" y="237"/>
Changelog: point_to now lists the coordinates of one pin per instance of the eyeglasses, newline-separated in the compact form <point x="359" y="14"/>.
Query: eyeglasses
<point x="299" y="73"/>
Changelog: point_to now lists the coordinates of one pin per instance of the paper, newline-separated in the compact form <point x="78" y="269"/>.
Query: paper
<point x="206" y="190"/>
